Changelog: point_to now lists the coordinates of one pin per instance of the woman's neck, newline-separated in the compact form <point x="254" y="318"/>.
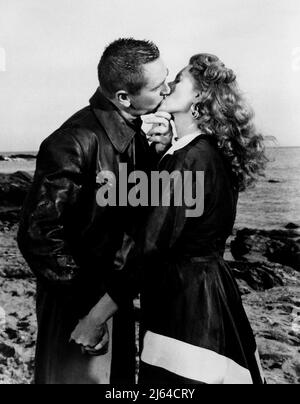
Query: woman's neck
<point x="185" y="124"/>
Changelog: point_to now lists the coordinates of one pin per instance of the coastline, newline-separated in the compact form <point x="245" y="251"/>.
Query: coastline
<point x="260" y="260"/>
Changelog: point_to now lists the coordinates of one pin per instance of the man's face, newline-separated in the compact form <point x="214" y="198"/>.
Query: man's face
<point x="153" y="93"/>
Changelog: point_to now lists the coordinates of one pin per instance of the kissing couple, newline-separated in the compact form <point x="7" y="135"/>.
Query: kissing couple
<point x="92" y="261"/>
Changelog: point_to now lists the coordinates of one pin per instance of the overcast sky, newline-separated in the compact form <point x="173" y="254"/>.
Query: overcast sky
<point x="49" y="51"/>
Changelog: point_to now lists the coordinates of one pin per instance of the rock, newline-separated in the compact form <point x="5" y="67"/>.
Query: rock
<point x="23" y="324"/>
<point x="274" y="181"/>
<point x="243" y="286"/>
<point x="263" y="275"/>
<point x="280" y="246"/>
<point x="23" y="156"/>
<point x="14" y="188"/>
<point x="18" y="271"/>
<point x="285" y="252"/>
<point x="12" y="264"/>
<point x="11" y="333"/>
<point x="9" y="217"/>
<point x="6" y="350"/>
<point x="292" y="226"/>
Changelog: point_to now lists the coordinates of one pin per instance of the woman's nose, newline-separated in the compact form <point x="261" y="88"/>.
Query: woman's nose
<point x="166" y="89"/>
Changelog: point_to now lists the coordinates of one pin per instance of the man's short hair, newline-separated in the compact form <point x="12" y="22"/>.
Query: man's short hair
<point x="121" y="65"/>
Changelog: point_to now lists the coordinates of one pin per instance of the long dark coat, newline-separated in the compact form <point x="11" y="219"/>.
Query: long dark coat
<point x="70" y="242"/>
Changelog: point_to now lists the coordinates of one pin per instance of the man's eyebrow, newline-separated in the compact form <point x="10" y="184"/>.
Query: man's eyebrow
<point x="155" y="88"/>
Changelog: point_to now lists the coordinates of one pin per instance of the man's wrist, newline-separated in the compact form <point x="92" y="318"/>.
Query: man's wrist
<point x="103" y="310"/>
<point x="96" y="316"/>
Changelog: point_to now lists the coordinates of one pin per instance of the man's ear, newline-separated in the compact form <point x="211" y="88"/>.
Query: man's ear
<point x="123" y="98"/>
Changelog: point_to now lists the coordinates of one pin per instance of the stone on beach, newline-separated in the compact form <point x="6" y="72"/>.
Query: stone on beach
<point x="23" y="156"/>
<point x="280" y="246"/>
<point x="20" y="156"/>
<point x="292" y="226"/>
<point x="14" y="188"/>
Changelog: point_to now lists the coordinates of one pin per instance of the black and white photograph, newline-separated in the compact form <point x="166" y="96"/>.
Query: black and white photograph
<point x="150" y="194"/>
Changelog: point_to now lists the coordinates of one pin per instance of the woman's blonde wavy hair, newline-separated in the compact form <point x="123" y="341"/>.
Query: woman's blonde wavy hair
<point x="224" y="114"/>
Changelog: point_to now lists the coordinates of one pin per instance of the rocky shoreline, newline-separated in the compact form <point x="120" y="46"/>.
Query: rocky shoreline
<point x="11" y="157"/>
<point x="265" y="263"/>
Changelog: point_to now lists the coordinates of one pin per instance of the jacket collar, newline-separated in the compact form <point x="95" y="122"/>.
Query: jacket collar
<point x="120" y="131"/>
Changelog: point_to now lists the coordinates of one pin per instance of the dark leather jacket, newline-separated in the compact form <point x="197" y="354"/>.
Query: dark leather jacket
<point x="66" y="238"/>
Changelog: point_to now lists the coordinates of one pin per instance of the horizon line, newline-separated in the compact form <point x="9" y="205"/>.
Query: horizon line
<point x="36" y="151"/>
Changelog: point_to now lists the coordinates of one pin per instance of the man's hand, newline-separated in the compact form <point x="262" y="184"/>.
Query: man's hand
<point x="91" y="336"/>
<point x="161" y="132"/>
<point x="92" y="332"/>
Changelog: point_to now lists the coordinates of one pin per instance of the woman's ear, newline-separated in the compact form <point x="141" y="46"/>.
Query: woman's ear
<point x="196" y="98"/>
<point x="123" y="98"/>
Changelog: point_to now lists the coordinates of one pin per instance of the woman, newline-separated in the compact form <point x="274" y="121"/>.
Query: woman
<point x="194" y="325"/>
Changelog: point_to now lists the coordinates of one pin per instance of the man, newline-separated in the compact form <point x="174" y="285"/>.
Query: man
<point x="69" y="241"/>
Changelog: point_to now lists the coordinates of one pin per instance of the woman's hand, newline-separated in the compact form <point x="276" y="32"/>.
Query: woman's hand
<point x="161" y="132"/>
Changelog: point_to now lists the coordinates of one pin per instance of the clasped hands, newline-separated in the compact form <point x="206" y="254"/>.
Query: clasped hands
<point x="92" y="337"/>
<point x="91" y="333"/>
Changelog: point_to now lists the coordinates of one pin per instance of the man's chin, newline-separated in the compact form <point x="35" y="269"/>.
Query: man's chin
<point x="160" y="107"/>
<point x="155" y="109"/>
<point x="164" y="107"/>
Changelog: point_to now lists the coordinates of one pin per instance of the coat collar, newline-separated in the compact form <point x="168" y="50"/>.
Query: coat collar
<point x="120" y="131"/>
<point x="180" y="143"/>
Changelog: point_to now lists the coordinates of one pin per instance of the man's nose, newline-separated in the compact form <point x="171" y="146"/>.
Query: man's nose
<point x="166" y="90"/>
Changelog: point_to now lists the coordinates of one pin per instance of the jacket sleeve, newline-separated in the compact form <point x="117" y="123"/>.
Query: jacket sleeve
<point x="55" y="190"/>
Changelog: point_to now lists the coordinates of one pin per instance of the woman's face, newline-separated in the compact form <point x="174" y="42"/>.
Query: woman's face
<point x="183" y="95"/>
